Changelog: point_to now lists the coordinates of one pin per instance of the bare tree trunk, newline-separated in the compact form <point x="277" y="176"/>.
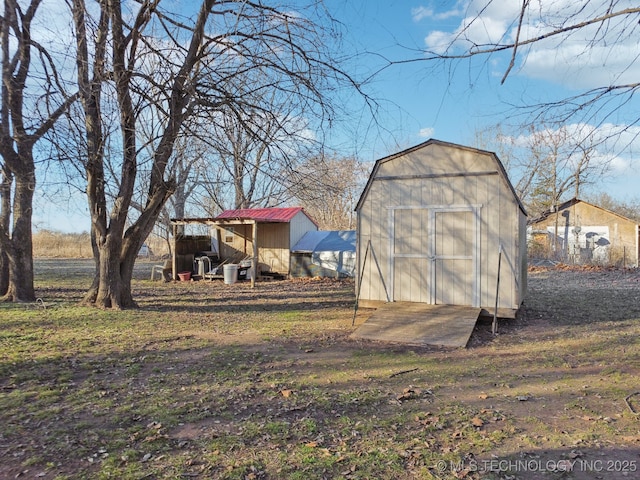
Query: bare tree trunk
<point x="115" y="245"/>
<point x="19" y="132"/>
<point x="190" y="87"/>
<point x="20" y="288"/>
<point x="5" y="218"/>
<point x="92" y="293"/>
<point x="112" y="285"/>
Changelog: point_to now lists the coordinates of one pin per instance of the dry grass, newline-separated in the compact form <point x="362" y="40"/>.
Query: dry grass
<point x="215" y="381"/>
<point x="47" y="244"/>
<point x="53" y="244"/>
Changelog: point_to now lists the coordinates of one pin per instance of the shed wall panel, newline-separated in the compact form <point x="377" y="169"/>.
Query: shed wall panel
<point x="273" y="246"/>
<point x="299" y="225"/>
<point x="377" y="264"/>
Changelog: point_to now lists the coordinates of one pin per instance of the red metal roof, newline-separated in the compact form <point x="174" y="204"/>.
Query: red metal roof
<point x="284" y="215"/>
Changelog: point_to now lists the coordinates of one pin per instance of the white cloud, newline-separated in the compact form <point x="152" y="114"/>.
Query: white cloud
<point x="426" y="132"/>
<point x="582" y="58"/>
<point x="605" y="139"/>
<point x="420" y="13"/>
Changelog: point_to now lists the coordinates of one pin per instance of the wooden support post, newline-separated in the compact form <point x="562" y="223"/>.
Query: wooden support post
<point x="254" y="262"/>
<point x="174" y="261"/>
<point x="219" y="242"/>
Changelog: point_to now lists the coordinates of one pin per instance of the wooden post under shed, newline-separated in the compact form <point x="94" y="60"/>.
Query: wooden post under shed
<point x="254" y="262"/>
<point x="174" y="271"/>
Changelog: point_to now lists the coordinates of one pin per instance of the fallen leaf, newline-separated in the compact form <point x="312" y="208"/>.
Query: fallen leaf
<point x="286" y="393"/>
<point x="409" y="393"/>
<point x="477" y="422"/>
<point x="461" y="474"/>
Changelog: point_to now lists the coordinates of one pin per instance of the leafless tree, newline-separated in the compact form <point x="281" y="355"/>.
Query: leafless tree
<point x="255" y="154"/>
<point x="527" y="35"/>
<point x="33" y="98"/>
<point x="200" y="60"/>
<point x="329" y="188"/>
<point x="548" y="166"/>
<point x="629" y="208"/>
<point x="559" y="164"/>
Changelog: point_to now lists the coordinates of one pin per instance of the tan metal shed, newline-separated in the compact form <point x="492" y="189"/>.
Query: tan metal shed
<point x="264" y="235"/>
<point x="273" y="230"/>
<point x="579" y="232"/>
<point x="432" y="220"/>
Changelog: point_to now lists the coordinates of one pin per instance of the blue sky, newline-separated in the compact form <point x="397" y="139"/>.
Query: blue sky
<point x="454" y="101"/>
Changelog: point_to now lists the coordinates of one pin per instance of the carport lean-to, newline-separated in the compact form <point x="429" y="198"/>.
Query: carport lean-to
<point x="182" y="259"/>
<point x="260" y="236"/>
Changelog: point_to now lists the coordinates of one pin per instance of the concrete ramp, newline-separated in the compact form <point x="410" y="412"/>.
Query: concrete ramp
<point x="420" y="324"/>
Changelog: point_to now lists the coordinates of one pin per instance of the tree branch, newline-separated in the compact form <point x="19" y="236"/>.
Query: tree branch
<point x="525" y="4"/>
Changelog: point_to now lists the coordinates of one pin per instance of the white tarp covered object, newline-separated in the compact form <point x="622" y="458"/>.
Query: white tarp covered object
<point x="586" y="242"/>
<point x="333" y="250"/>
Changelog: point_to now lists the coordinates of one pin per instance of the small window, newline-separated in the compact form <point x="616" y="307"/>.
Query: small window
<point x="228" y="235"/>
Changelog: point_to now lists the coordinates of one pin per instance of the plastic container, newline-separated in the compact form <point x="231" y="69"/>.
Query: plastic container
<point x="230" y="273"/>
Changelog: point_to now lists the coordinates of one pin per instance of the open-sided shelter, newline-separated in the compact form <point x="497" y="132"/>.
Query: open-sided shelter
<point x="434" y="223"/>
<point x="263" y="236"/>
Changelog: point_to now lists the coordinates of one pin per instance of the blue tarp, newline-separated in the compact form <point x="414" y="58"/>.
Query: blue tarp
<point x="334" y="250"/>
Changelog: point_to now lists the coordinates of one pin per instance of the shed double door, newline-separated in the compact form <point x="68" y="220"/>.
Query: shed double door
<point x="434" y="255"/>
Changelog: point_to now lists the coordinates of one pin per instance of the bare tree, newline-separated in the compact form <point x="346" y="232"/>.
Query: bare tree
<point x="30" y="105"/>
<point x="527" y="35"/>
<point x="329" y="188"/>
<point x="253" y="150"/>
<point x="547" y="165"/>
<point x="629" y="209"/>
<point x="558" y="165"/>
<point x="113" y="61"/>
<point x="255" y="153"/>
<point x="5" y="221"/>
<point x="188" y="167"/>
<point x="200" y="61"/>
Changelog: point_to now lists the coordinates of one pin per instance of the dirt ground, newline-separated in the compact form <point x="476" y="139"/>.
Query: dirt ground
<point x="565" y="374"/>
<point x="589" y="320"/>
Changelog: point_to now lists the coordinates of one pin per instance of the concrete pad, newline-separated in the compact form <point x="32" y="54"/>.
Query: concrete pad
<point x="420" y="324"/>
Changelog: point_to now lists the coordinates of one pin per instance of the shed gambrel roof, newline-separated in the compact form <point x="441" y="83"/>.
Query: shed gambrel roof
<point x="498" y="164"/>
